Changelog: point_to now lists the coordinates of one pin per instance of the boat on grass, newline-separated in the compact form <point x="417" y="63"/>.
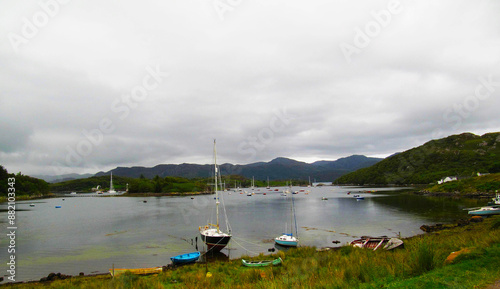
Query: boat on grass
<point x="375" y="243"/>
<point x="485" y="211"/>
<point x="264" y="263"/>
<point x="185" y="258"/>
<point x="139" y="271"/>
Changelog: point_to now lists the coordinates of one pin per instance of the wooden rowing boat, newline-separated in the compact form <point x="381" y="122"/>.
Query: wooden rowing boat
<point x="375" y="243"/>
<point x="264" y="263"/>
<point x="138" y="271"/>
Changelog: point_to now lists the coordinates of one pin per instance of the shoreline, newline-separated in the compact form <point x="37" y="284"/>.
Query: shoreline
<point x="425" y="231"/>
<point x="230" y="269"/>
<point x="455" y="194"/>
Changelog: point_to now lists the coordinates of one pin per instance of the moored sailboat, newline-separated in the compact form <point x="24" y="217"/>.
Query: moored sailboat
<point x="211" y="234"/>
<point x="111" y="188"/>
<point x="288" y="239"/>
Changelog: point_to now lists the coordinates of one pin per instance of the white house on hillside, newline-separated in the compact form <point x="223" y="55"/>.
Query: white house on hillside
<point x="447" y="179"/>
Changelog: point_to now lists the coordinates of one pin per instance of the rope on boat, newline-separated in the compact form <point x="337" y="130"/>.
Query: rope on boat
<point x="256" y="244"/>
<point x="246" y="248"/>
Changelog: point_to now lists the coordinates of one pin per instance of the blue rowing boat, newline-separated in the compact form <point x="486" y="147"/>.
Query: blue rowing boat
<point x="185" y="258"/>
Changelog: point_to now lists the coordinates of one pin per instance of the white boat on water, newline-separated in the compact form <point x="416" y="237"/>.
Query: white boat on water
<point x="288" y="239"/>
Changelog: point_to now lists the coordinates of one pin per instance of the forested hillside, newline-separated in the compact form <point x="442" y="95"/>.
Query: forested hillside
<point x="462" y="155"/>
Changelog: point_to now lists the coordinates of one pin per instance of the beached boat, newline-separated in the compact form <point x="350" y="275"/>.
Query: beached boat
<point x="264" y="263"/>
<point x="288" y="239"/>
<point x="139" y="271"/>
<point x="485" y="211"/>
<point x="211" y="234"/>
<point x="375" y="243"/>
<point x="185" y="258"/>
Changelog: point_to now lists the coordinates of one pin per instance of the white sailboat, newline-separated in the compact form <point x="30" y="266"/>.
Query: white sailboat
<point x="211" y="234"/>
<point x="111" y="188"/>
<point x="288" y="239"/>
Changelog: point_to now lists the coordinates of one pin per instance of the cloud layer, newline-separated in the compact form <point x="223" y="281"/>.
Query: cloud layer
<point x="88" y="86"/>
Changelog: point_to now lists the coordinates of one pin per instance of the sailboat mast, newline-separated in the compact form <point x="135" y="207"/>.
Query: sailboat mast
<point x="216" y="193"/>
<point x="295" y="218"/>
<point x="111" y="182"/>
<point x="291" y="214"/>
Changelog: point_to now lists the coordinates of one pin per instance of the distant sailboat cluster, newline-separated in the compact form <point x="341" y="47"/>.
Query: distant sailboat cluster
<point x="216" y="238"/>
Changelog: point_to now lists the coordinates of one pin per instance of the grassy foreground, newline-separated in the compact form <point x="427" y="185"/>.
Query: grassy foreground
<point x="420" y="264"/>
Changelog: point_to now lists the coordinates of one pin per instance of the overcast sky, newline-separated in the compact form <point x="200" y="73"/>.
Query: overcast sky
<point x="87" y="86"/>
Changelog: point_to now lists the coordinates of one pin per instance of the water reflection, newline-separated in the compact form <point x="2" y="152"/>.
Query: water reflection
<point x="90" y="234"/>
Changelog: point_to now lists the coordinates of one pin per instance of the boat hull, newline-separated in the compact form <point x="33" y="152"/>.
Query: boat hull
<point x="374" y="243"/>
<point x="215" y="243"/>
<point x="287" y="243"/>
<point x="185" y="258"/>
<point x="140" y="271"/>
<point x="484" y="213"/>
<point x="287" y="240"/>
<point x="266" y="263"/>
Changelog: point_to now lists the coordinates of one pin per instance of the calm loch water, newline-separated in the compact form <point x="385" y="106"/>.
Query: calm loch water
<point x="90" y="234"/>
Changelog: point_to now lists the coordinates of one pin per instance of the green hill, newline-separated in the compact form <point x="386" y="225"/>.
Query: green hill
<point x="462" y="155"/>
<point x="21" y="185"/>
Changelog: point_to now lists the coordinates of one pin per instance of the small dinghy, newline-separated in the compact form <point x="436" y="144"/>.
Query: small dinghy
<point x="185" y="258"/>
<point x="264" y="263"/>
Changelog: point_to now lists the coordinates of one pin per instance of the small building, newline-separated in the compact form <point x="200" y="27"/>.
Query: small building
<point x="447" y="179"/>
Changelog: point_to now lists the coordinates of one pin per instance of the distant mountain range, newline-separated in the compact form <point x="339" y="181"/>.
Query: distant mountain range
<point x="462" y="155"/>
<point x="277" y="169"/>
<point x="62" y="178"/>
